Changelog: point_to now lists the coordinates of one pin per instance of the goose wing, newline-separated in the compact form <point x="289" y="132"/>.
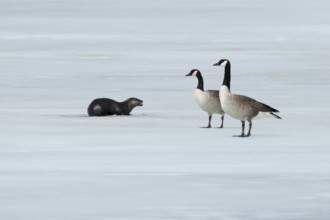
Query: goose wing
<point x="212" y="104"/>
<point x="213" y="93"/>
<point x="213" y="96"/>
<point x="252" y="103"/>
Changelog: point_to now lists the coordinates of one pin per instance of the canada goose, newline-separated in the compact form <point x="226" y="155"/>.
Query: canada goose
<point x="241" y="107"/>
<point x="208" y="100"/>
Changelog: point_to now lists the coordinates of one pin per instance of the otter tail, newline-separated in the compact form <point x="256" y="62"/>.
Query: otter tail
<point x="94" y="110"/>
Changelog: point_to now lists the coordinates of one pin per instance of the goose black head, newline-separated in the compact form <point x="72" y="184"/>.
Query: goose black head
<point x="194" y="72"/>
<point x="222" y="62"/>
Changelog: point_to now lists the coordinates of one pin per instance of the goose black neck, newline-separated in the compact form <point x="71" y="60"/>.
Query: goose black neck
<point x="226" y="79"/>
<point x="200" y="84"/>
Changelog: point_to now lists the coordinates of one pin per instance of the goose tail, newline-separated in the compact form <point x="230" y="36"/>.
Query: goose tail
<point x="271" y="111"/>
<point x="276" y="116"/>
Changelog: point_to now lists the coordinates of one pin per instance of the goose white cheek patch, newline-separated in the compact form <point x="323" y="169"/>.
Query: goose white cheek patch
<point x="224" y="63"/>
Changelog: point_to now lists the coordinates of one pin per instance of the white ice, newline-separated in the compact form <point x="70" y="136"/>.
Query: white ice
<point x="158" y="164"/>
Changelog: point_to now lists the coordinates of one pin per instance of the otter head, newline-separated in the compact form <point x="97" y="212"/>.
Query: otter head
<point x="132" y="103"/>
<point x="135" y="102"/>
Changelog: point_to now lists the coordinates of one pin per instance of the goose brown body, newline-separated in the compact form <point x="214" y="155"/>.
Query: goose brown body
<point x="241" y="107"/>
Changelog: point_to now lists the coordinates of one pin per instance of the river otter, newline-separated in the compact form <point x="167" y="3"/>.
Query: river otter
<point x="105" y="106"/>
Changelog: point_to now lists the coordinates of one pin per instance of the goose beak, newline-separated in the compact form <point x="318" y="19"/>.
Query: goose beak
<point x="216" y="64"/>
<point x="188" y="74"/>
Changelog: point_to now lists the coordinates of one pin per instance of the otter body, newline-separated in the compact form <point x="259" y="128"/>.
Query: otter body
<point x="105" y="106"/>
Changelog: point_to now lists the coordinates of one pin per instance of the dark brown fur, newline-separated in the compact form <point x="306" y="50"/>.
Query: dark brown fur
<point x="105" y="106"/>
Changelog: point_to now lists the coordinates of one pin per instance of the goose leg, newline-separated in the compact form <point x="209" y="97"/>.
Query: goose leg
<point x="222" y="117"/>
<point x="250" y="126"/>
<point x="243" y="126"/>
<point x="210" y="117"/>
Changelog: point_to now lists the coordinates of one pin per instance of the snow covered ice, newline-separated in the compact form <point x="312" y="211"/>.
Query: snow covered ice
<point x="57" y="163"/>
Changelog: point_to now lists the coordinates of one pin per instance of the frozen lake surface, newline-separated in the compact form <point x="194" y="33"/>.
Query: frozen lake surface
<point x="158" y="164"/>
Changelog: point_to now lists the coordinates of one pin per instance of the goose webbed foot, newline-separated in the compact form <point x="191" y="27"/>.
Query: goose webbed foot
<point x="209" y="126"/>
<point x="242" y="135"/>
